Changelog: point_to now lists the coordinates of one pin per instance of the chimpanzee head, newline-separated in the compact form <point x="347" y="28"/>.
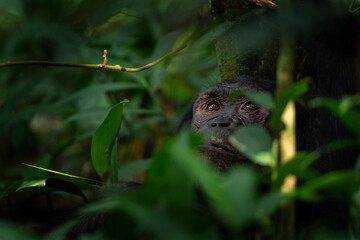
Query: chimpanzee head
<point x="215" y="116"/>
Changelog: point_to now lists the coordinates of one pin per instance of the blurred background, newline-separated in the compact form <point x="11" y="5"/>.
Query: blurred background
<point x="48" y="114"/>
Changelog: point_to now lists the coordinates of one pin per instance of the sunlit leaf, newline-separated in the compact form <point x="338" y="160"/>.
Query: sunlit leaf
<point x="61" y="173"/>
<point x="46" y="185"/>
<point x="294" y="92"/>
<point x="255" y="143"/>
<point x="13" y="188"/>
<point x="32" y="183"/>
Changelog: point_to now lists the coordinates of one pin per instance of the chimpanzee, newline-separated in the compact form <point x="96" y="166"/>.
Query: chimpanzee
<point x="213" y="113"/>
<point x="329" y="56"/>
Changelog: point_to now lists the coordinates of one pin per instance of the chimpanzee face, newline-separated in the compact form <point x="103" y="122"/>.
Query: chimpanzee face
<point x="217" y="117"/>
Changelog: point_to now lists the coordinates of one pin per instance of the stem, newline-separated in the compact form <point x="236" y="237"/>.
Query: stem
<point x="287" y="137"/>
<point x="111" y="67"/>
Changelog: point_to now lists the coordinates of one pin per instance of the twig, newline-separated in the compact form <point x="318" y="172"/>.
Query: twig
<point x="103" y="65"/>
<point x="265" y="3"/>
<point x="105" y="59"/>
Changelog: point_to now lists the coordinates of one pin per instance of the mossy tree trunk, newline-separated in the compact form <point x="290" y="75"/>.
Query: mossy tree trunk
<point x="249" y="45"/>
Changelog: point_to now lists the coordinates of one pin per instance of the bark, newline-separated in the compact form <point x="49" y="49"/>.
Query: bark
<point x="240" y="51"/>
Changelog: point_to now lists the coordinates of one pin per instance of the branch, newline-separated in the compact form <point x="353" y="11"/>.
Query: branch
<point x="103" y="65"/>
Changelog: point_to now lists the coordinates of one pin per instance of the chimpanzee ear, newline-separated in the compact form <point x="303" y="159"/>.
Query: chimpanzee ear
<point x="186" y="119"/>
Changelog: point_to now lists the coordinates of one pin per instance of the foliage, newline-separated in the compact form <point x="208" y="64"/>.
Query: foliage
<point x="61" y="119"/>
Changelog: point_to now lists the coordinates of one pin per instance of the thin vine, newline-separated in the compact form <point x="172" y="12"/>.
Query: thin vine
<point x="100" y="66"/>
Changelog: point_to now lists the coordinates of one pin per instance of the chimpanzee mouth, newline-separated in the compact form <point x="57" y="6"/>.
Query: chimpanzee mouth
<point x="223" y="156"/>
<point x="212" y="146"/>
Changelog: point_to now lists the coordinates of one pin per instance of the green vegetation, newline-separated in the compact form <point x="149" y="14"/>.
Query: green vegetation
<point x="76" y="126"/>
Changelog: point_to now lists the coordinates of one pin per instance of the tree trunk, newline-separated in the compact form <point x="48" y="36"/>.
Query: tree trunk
<point x="247" y="47"/>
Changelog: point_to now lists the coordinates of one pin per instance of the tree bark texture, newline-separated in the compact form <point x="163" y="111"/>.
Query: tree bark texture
<point x="249" y="45"/>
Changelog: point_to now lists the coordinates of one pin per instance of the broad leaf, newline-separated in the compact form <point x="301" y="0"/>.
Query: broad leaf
<point x="15" y="186"/>
<point x="105" y="137"/>
<point x="207" y="178"/>
<point x="46" y="185"/>
<point x="294" y="92"/>
<point x="240" y="187"/>
<point x="339" y="185"/>
<point x="255" y="143"/>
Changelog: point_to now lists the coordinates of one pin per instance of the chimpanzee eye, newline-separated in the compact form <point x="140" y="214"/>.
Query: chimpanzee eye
<point x="250" y="106"/>
<point x="213" y="106"/>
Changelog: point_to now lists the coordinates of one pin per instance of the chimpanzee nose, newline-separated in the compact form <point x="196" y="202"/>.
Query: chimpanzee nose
<point x="221" y="122"/>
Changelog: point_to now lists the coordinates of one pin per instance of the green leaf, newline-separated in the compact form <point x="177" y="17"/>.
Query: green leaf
<point x="357" y="165"/>
<point x="336" y="185"/>
<point x="45" y="184"/>
<point x="159" y="165"/>
<point x="65" y="186"/>
<point x="357" y="198"/>
<point x="345" y="110"/>
<point x="13" y="188"/>
<point x="240" y="188"/>
<point x="132" y="169"/>
<point x="268" y="204"/>
<point x="201" y="173"/>
<point x="294" y="92"/>
<point x="32" y="183"/>
<point x="60" y="233"/>
<point x="104" y="138"/>
<point x="114" y="163"/>
<point x="264" y="99"/>
<point x="62" y="174"/>
<point x="99" y="89"/>
<point x="195" y="167"/>
<point x="255" y="143"/>
<point x="10" y="231"/>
